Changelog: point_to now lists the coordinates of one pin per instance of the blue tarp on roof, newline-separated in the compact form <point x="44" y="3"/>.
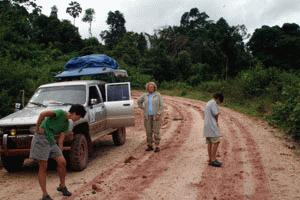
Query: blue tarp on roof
<point x="88" y="65"/>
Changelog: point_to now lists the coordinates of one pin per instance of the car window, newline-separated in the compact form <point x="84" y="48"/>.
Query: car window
<point x="94" y="94"/>
<point x="118" y="92"/>
<point x="63" y="94"/>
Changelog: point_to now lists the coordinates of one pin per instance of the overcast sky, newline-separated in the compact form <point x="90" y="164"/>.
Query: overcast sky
<point x="147" y="15"/>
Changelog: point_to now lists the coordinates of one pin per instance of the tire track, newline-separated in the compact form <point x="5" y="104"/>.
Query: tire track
<point x="225" y="182"/>
<point x="213" y="182"/>
<point x="261" y="189"/>
<point x="240" y="188"/>
<point x="178" y="182"/>
<point x="140" y="176"/>
<point x="229" y="184"/>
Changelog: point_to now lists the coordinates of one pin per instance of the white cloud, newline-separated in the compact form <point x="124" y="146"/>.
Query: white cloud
<point x="147" y="15"/>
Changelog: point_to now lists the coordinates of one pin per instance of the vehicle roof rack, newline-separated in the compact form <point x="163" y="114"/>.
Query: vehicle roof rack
<point x="91" y="66"/>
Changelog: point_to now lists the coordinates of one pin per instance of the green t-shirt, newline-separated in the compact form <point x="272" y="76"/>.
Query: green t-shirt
<point x="55" y="125"/>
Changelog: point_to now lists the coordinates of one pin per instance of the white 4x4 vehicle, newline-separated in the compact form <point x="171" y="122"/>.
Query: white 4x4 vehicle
<point x="109" y="110"/>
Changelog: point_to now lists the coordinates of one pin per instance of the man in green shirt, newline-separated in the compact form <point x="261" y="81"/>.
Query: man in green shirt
<point x="51" y="125"/>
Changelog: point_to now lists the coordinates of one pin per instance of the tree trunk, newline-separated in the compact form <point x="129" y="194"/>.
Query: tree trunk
<point x="90" y="29"/>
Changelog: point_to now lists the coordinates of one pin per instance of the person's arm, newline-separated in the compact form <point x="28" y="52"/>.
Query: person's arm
<point x="41" y="117"/>
<point x="140" y="102"/>
<point x="161" y="105"/>
<point x="60" y="140"/>
<point x="215" y="112"/>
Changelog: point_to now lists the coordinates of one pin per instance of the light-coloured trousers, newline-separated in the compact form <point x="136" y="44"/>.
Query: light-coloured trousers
<point x="152" y="129"/>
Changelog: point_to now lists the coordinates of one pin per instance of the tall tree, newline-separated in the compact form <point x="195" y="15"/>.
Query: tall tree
<point x="130" y="48"/>
<point x="53" y="32"/>
<point x="74" y="10"/>
<point x="183" y="63"/>
<point x="142" y="43"/>
<point x="276" y="46"/>
<point x="14" y="24"/>
<point x="54" y="11"/>
<point x="26" y="3"/>
<point x="194" y="19"/>
<point x="89" y="17"/>
<point x="117" y="29"/>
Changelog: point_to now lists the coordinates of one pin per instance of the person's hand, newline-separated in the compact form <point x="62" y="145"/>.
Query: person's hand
<point x="39" y="130"/>
<point x="157" y="117"/>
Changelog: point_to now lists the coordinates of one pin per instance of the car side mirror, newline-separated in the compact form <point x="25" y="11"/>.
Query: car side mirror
<point x="94" y="101"/>
<point x="17" y="106"/>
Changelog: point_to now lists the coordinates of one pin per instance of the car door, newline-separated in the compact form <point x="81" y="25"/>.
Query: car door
<point x="119" y="105"/>
<point x="96" y="110"/>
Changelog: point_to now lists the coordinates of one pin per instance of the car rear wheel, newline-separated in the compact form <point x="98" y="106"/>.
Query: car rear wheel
<point x="119" y="136"/>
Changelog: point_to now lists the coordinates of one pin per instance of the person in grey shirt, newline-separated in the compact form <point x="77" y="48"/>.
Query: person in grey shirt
<point x="211" y="128"/>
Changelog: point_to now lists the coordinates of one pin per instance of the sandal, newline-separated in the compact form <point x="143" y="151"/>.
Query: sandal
<point x="47" y="197"/>
<point x="64" y="191"/>
<point x="215" y="163"/>
<point x="149" y="148"/>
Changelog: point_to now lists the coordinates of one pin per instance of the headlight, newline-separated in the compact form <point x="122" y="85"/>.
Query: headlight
<point x="13" y="132"/>
<point x="32" y="129"/>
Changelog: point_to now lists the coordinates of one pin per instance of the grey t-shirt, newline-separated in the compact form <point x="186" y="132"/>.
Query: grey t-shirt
<point x="211" y="128"/>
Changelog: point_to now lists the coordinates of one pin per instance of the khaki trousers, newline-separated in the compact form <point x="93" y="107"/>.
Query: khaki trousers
<point x="152" y="129"/>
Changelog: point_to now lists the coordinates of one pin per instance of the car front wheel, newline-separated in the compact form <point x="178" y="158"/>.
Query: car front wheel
<point x="78" y="157"/>
<point x="12" y="163"/>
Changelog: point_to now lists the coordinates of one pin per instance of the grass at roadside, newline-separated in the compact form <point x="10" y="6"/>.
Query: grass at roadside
<point x="259" y="107"/>
<point x="247" y="107"/>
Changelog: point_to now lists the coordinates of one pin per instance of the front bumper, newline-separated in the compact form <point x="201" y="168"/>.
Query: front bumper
<point x="17" y="145"/>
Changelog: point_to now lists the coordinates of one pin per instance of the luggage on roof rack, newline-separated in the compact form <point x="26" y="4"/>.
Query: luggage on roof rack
<point x="91" y="65"/>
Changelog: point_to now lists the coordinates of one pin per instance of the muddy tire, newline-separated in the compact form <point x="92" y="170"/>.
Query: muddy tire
<point x="12" y="163"/>
<point x="78" y="157"/>
<point x="119" y="136"/>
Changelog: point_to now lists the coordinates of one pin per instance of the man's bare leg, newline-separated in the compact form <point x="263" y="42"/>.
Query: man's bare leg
<point x="214" y="151"/>
<point x="209" y="150"/>
<point x="42" y="176"/>
<point x="61" y="169"/>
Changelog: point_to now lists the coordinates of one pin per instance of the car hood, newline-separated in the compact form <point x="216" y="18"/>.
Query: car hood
<point x="27" y="116"/>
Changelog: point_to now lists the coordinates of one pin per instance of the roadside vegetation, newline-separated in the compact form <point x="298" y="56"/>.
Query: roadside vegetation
<point x="194" y="59"/>
<point x="276" y="99"/>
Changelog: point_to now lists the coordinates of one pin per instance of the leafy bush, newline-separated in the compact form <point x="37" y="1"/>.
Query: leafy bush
<point x="137" y="79"/>
<point x="174" y="85"/>
<point x="287" y="111"/>
<point x="199" y="73"/>
<point x="267" y="92"/>
<point x="254" y="82"/>
<point x="213" y="86"/>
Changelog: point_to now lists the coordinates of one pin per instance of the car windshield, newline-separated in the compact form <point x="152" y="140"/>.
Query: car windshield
<point x="59" y="95"/>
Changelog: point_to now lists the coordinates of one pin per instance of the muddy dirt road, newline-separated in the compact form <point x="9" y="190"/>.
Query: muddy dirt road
<point x="257" y="164"/>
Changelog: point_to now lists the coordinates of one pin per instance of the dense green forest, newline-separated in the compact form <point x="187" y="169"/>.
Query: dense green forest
<point x="199" y="56"/>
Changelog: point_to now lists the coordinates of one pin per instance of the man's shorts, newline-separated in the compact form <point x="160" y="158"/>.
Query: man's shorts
<point x="212" y="140"/>
<point x="41" y="149"/>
